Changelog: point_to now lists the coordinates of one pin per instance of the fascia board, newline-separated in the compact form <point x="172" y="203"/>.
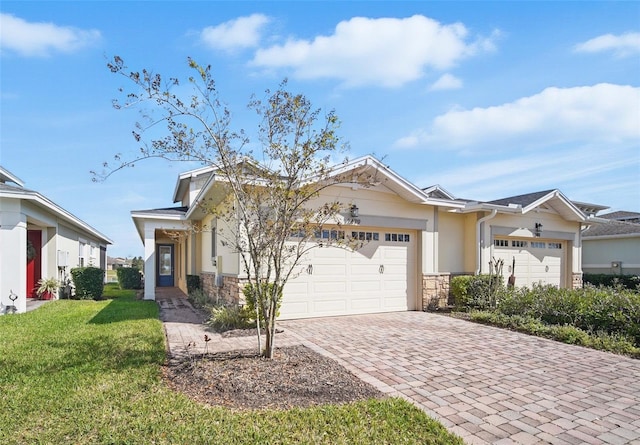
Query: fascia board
<point x="445" y="203"/>
<point x="556" y="194"/>
<point x="185" y="177"/>
<point x="479" y="207"/>
<point x="49" y="205"/>
<point x="619" y="236"/>
<point x="405" y="185"/>
<point x="11" y="177"/>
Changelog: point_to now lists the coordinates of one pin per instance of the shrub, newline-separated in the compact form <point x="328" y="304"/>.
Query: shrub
<point x="199" y="298"/>
<point x="193" y="283"/>
<point x="129" y="278"/>
<point x="458" y="288"/>
<point x="476" y="291"/>
<point x="88" y="281"/>
<point x="225" y="318"/>
<point x="250" y="302"/>
<point x="631" y="282"/>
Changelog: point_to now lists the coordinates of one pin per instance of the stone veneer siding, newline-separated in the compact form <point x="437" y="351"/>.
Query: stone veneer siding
<point x="435" y="290"/>
<point x="229" y="293"/>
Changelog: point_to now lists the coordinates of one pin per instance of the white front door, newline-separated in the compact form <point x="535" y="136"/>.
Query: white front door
<point x="379" y="277"/>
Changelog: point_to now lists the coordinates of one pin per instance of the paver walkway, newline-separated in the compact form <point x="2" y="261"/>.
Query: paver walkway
<point x="487" y="385"/>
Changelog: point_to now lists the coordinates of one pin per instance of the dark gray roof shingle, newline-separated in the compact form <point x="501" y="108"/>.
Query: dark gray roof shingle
<point x="612" y="228"/>
<point x="522" y="200"/>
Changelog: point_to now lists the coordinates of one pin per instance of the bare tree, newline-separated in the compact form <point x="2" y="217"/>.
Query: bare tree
<point x="272" y="206"/>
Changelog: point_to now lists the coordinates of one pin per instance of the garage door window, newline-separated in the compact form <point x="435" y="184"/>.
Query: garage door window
<point x="397" y="237"/>
<point x="501" y="243"/>
<point x="555" y="245"/>
<point x="518" y="243"/>
<point x="366" y="236"/>
<point x="538" y="245"/>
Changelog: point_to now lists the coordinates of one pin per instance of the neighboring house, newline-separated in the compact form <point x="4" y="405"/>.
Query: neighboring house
<point x="39" y="239"/>
<point x="417" y="239"/>
<point x="613" y="248"/>
<point x="117" y="263"/>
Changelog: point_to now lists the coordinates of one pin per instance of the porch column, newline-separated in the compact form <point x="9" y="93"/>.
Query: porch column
<point x="149" y="263"/>
<point x="13" y="264"/>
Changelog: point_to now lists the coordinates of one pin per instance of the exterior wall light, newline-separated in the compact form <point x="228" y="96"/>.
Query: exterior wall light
<point x="355" y="211"/>
<point x="538" y="230"/>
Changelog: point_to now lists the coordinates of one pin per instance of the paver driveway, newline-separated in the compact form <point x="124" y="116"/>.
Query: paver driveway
<point x="486" y="384"/>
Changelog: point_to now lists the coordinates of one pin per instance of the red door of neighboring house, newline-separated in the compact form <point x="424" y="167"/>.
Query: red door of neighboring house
<point x="34" y="264"/>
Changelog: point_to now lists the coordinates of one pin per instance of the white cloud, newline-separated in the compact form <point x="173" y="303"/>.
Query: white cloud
<point x="42" y="39"/>
<point x="623" y="45"/>
<point x="385" y="51"/>
<point x="578" y="171"/>
<point x="446" y="82"/>
<point x="243" y="32"/>
<point x="602" y="113"/>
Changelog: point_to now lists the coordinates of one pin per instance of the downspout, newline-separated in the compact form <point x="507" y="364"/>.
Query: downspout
<point x="491" y="215"/>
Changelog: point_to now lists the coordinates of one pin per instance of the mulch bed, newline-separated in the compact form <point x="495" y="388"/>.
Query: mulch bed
<point x="295" y="377"/>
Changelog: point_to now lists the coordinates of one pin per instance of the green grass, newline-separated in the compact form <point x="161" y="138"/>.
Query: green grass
<point x="90" y="372"/>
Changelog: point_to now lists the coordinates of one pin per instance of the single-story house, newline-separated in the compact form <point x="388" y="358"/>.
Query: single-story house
<point x="40" y="239"/>
<point x="613" y="248"/>
<point x="417" y="239"/>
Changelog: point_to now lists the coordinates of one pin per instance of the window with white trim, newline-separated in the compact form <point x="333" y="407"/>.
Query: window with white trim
<point x="538" y="245"/>
<point x="82" y="251"/>
<point x="555" y="245"/>
<point x="519" y="243"/>
<point x="501" y="243"/>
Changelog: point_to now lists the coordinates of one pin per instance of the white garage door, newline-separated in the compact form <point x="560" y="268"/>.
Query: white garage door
<point x="380" y="277"/>
<point x="540" y="262"/>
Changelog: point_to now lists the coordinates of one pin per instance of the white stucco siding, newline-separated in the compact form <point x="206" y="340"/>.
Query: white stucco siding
<point x="377" y="200"/>
<point x="599" y="254"/>
<point x="13" y="239"/>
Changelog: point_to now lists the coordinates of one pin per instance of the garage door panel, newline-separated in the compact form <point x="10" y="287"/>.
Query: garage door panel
<point x="365" y="286"/>
<point x="361" y="304"/>
<point x="329" y="287"/>
<point x="329" y="307"/>
<point x="345" y="282"/>
<point x="398" y="253"/>
<point x="332" y="253"/>
<point x="330" y="270"/>
<point x="535" y="264"/>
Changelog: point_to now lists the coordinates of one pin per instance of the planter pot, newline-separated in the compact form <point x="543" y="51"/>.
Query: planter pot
<point x="48" y="296"/>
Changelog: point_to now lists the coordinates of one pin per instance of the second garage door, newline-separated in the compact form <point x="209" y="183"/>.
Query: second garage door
<point x="379" y="277"/>
<point x="537" y="262"/>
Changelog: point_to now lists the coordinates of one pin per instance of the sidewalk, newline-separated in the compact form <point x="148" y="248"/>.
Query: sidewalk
<point x="185" y="328"/>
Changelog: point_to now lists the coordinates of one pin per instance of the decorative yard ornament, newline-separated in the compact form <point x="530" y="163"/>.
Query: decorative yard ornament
<point x="12" y="309"/>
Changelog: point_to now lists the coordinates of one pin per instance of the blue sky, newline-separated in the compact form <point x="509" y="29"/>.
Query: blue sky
<point x="487" y="99"/>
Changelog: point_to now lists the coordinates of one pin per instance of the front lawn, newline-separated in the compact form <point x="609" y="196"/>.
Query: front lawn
<point x="90" y="372"/>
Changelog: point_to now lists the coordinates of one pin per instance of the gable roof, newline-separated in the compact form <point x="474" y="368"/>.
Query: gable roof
<point x="435" y="191"/>
<point x="622" y="215"/>
<point x="18" y="192"/>
<point x="553" y="199"/>
<point x="7" y="176"/>
<point x="612" y="229"/>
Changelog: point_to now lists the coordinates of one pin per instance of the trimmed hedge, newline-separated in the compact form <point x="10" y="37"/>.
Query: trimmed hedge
<point x="476" y="291"/>
<point x="613" y="311"/>
<point x="88" y="281"/>
<point x="631" y="282"/>
<point x="129" y="278"/>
